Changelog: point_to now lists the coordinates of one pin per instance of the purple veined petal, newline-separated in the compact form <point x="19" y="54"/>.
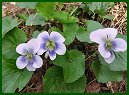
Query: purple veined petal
<point x="30" y="67"/>
<point x="119" y="45"/>
<point x="110" y="59"/>
<point x="60" y="48"/>
<point x="43" y="37"/>
<point x="52" y="55"/>
<point x="42" y="49"/>
<point x="22" y="49"/>
<point x="38" y="62"/>
<point x="57" y="37"/>
<point x="33" y="46"/>
<point x="98" y="36"/>
<point x="21" y="62"/>
<point x="111" y="32"/>
<point x="104" y="53"/>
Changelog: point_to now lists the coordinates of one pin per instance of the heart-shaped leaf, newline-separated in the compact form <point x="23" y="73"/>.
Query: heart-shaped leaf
<point x="12" y="77"/>
<point x="73" y="64"/>
<point x="54" y="82"/>
<point x="10" y="41"/>
<point x="104" y="75"/>
<point x="8" y="23"/>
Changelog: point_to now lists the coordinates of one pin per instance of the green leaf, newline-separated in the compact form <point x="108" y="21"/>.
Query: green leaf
<point x="92" y="26"/>
<point x="12" y="77"/>
<point x="54" y="82"/>
<point x="10" y="41"/>
<point x="100" y="7"/>
<point x="8" y="23"/>
<point x="110" y="17"/>
<point x="23" y="16"/>
<point x="35" y="19"/>
<point x="64" y="17"/>
<point x="104" y="75"/>
<point x="73" y="64"/>
<point x="119" y="63"/>
<point x="69" y="32"/>
<point x="46" y="9"/>
<point x="56" y="29"/>
<point x="29" y="5"/>
<point x="82" y="35"/>
<point x="35" y="34"/>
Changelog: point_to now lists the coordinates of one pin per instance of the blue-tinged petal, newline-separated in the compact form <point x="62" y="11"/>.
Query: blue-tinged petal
<point x="30" y="67"/>
<point x="110" y="59"/>
<point x="42" y="49"/>
<point x="57" y="37"/>
<point x="119" y="45"/>
<point x="52" y="55"/>
<point x="38" y="62"/>
<point x="33" y="46"/>
<point x="21" y="62"/>
<point x="104" y="53"/>
<point x="111" y="32"/>
<point x="43" y="37"/>
<point x="60" y="48"/>
<point x="101" y="35"/>
<point x="22" y="49"/>
<point x="98" y="36"/>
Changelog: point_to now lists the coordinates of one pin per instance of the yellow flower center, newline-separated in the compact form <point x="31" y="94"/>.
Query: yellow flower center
<point x="29" y="56"/>
<point x="108" y="44"/>
<point x="50" y="45"/>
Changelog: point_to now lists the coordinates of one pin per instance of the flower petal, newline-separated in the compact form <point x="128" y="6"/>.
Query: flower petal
<point x="30" y="67"/>
<point x="104" y="53"/>
<point x="119" y="44"/>
<point x="33" y="46"/>
<point x="22" y="49"/>
<point x="57" y="37"/>
<point x="42" y="49"/>
<point x="110" y="59"/>
<point x="43" y="37"/>
<point x="98" y="36"/>
<point x="52" y="55"/>
<point x="38" y="62"/>
<point x="111" y="32"/>
<point x="60" y="48"/>
<point x="21" y="62"/>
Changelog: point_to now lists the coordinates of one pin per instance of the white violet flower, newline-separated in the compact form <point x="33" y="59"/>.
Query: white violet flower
<point x="51" y="44"/>
<point x="29" y="58"/>
<point x="108" y="44"/>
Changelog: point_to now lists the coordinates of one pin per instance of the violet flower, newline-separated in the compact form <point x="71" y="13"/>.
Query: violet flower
<point x="28" y="57"/>
<point x="108" y="44"/>
<point x="51" y="44"/>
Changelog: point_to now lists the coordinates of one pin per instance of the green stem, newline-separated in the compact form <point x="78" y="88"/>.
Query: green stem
<point x="74" y="10"/>
<point x="91" y="55"/>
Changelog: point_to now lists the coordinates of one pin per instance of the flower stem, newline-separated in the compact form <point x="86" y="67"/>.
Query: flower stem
<point x="75" y="9"/>
<point x="91" y="55"/>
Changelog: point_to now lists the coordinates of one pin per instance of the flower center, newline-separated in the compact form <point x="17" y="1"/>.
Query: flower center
<point x="29" y="56"/>
<point x="50" y="45"/>
<point x="108" y="45"/>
